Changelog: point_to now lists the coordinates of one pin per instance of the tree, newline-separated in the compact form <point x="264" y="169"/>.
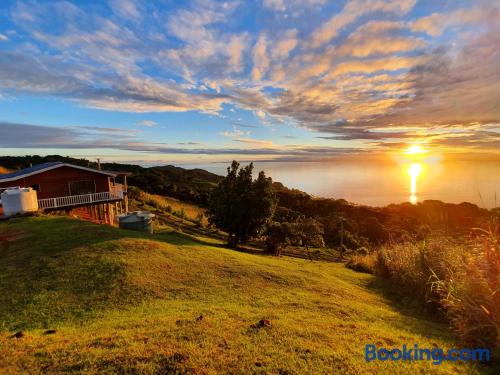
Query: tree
<point x="311" y="234"/>
<point x="306" y="232"/>
<point x="279" y="235"/>
<point x="240" y="206"/>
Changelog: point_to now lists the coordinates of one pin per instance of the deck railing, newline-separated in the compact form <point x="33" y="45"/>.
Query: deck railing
<point x="74" y="200"/>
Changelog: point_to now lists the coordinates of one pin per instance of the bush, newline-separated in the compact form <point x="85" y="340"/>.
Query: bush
<point x="153" y="203"/>
<point x="362" y="263"/>
<point x="471" y="294"/>
<point x="181" y="213"/>
<point x="200" y="220"/>
<point x="362" y="251"/>
<point x="133" y="192"/>
<point x="462" y="279"/>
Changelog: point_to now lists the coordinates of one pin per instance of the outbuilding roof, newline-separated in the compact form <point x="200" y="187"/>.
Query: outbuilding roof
<point x="39" y="168"/>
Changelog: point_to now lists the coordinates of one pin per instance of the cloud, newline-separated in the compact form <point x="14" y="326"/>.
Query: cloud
<point x="353" y="10"/>
<point x="125" y="8"/>
<point x="24" y="135"/>
<point x="379" y="38"/>
<point x="3" y="38"/>
<point x="285" y="45"/>
<point x="22" y="72"/>
<point x="453" y="89"/>
<point x="260" y="114"/>
<point x="103" y="130"/>
<point x="15" y="135"/>
<point x="347" y="133"/>
<point x="236" y="48"/>
<point x="37" y="136"/>
<point x="256" y="142"/>
<point x="235" y="133"/>
<point x="371" y="65"/>
<point x="189" y="143"/>
<point x="260" y="59"/>
<point x="148" y="123"/>
<point x="286" y="5"/>
<point x="19" y="135"/>
<point x="48" y="75"/>
<point x="205" y="49"/>
<point x="437" y="23"/>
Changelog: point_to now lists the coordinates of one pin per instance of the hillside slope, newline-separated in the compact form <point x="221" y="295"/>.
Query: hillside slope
<point x="123" y="302"/>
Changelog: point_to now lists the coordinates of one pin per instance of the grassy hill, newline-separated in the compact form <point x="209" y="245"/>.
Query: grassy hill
<point x="124" y="302"/>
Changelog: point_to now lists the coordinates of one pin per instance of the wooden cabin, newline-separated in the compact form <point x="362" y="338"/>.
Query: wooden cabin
<point x="74" y="189"/>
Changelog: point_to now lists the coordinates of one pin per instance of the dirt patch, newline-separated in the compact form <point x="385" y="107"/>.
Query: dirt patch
<point x="7" y="237"/>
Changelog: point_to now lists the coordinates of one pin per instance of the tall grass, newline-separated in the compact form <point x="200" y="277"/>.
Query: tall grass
<point x="470" y="294"/>
<point x="459" y="277"/>
<point x="180" y="209"/>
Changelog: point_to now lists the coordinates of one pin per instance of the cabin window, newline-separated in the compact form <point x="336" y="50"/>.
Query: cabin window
<point x="36" y="187"/>
<point x="82" y="187"/>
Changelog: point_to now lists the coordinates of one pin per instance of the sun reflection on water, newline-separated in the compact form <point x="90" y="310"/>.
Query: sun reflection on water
<point x="414" y="170"/>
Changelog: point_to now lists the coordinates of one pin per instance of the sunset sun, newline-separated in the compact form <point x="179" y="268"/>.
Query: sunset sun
<point x="415" y="149"/>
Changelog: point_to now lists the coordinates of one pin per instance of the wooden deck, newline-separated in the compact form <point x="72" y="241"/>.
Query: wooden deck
<point x="116" y="194"/>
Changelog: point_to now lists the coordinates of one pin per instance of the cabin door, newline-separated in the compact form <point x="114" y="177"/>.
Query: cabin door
<point x="82" y="187"/>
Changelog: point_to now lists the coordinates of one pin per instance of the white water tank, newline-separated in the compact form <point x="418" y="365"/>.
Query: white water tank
<point x="19" y="201"/>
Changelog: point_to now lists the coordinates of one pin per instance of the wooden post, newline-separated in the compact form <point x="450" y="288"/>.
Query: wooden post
<point x="125" y="192"/>
<point x="110" y="213"/>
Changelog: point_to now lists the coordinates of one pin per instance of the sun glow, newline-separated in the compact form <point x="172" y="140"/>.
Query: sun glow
<point x="415" y="149"/>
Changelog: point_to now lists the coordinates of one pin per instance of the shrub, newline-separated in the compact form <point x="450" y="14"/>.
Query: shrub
<point x="153" y="203"/>
<point x="362" y="251"/>
<point x="362" y="263"/>
<point x="461" y="278"/>
<point x="471" y="294"/>
<point x="279" y="235"/>
<point x="343" y="250"/>
<point x="133" y="192"/>
<point x="200" y="220"/>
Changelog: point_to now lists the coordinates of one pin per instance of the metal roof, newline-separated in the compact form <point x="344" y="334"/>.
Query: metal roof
<point x="39" y="168"/>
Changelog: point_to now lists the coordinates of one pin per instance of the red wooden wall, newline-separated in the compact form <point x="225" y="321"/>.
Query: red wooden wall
<point x="55" y="183"/>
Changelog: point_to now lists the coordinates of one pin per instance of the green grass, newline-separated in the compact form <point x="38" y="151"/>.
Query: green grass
<point x="123" y="302"/>
<point x="190" y="211"/>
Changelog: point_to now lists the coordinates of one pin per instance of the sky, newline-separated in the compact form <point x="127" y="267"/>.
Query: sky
<point x="198" y="81"/>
